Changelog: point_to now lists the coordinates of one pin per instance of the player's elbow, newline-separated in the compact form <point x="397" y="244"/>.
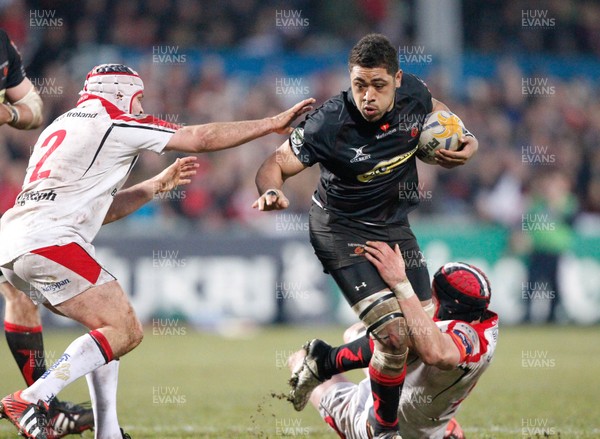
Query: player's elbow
<point x="429" y="357"/>
<point x="437" y="358"/>
<point x="201" y="138"/>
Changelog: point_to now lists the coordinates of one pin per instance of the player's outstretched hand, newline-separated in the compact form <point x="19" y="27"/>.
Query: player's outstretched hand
<point x="177" y="174"/>
<point x="389" y="263"/>
<point x="272" y="199"/>
<point x="283" y="120"/>
<point x="451" y="159"/>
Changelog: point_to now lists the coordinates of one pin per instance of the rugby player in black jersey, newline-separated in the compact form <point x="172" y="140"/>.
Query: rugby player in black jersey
<point x="365" y="140"/>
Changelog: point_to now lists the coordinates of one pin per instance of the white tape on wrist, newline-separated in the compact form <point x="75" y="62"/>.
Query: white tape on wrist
<point x="33" y="101"/>
<point x="403" y="290"/>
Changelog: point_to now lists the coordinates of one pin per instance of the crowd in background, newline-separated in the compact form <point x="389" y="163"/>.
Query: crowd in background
<point x="524" y="136"/>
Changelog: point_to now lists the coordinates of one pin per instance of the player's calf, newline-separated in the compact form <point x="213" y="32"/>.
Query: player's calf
<point x="385" y="323"/>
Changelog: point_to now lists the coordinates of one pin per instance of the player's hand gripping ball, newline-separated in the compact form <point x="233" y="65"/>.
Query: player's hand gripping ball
<point x="442" y="129"/>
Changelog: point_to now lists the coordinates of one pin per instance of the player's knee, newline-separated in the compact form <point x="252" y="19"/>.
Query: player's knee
<point x="384" y="320"/>
<point x="354" y="332"/>
<point x="137" y="333"/>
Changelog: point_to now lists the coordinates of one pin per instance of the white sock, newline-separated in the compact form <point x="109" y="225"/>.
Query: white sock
<point x="102" y="383"/>
<point x="81" y="357"/>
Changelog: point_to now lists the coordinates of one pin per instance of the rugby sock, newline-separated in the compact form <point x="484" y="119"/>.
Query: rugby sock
<point x="102" y="383"/>
<point x="84" y="354"/>
<point x="354" y="355"/>
<point x="386" y="397"/>
<point x="27" y="347"/>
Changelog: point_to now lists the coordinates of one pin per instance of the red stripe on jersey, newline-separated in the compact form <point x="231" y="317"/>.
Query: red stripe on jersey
<point x="73" y="257"/>
<point x="11" y="327"/>
<point x="331" y="423"/>
<point x="480" y="329"/>
<point x="116" y="114"/>
<point x="103" y="345"/>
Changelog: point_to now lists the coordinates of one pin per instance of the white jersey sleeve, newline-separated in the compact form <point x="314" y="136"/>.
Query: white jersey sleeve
<point x="431" y="396"/>
<point x="77" y="166"/>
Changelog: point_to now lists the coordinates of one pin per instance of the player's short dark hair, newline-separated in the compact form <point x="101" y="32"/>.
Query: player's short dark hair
<point x="372" y="51"/>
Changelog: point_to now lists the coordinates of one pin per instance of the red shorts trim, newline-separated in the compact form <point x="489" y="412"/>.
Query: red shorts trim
<point x="73" y="257"/>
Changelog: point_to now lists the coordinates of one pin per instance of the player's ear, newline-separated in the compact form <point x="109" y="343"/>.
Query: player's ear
<point x="398" y="78"/>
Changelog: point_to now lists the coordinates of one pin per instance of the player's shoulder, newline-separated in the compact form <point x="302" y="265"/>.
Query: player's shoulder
<point x="5" y="42"/>
<point x="327" y="116"/>
<point x="466" y="333"/>
<point x="412" y="85"/>
<point x="330" y="109"/>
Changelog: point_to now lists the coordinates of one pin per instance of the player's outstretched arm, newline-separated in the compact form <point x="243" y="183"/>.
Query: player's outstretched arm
<point x="432" y="346"/>
<point x="24" y="110"/>
<point x="131" y="199"/>
<point x="223" y="135"/>
<point x="277" y="168"/>
<point x="451" y="159"/>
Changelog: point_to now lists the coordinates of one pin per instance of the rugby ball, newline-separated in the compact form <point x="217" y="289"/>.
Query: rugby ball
<point x="442" y="129"/>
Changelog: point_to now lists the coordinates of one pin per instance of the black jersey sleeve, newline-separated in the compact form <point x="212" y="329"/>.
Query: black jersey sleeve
<point x="414" y="86"/>
<point x="313" y="139"/>
<point x="16" y="71"/>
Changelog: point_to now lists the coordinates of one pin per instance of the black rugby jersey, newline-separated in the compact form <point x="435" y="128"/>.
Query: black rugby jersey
<point x="12" y="72"/>
<point x="368" y="169"/>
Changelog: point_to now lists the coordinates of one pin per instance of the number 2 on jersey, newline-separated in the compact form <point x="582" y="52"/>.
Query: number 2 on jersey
<point x="56" y="138"/>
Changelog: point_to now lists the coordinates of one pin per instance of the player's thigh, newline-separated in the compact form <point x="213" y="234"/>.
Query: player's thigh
<point x="101" y="306"/>
<point x="339" y="242"/>
<point x="344" y="406"/>
<point x="11" y="293"/>
<point x="59" y="272"/>
<point x="415" y="263"/>
<point x="358" y="281"/>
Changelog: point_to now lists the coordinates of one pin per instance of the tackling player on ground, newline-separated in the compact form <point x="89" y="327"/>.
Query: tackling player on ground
<point x="21" y="108"/>
<point x="365" y="140"/>
<point x="447" y="356"/>
<point x="77" y="167"/>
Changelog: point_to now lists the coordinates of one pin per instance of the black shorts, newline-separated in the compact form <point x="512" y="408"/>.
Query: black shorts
<point x="339" y="244"/>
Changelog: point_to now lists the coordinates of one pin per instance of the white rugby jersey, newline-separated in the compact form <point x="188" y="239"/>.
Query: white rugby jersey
<point x="78" y="164"/>
<point x="431" y="396"/>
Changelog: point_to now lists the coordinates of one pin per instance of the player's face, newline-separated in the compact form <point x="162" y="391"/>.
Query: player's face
<point x="374" y="90"/>
<point x="136" y="105"/>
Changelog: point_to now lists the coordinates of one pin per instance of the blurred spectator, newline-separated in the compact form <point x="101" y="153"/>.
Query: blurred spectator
<point x="520" y="133"/>
<point x="547" y="222"/>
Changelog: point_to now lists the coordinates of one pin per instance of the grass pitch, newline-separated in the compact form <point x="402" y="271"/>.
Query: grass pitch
<point x="543" y="382"/>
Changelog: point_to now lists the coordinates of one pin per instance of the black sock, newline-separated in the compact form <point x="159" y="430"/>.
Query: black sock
<point x="354" y="355"/>
<point x="386" y="398"/>
<point x="27" y="347"/>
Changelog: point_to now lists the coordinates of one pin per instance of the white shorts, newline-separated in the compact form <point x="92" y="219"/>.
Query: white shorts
<point x="345" y="407"/>
<point x="56" y="273"/>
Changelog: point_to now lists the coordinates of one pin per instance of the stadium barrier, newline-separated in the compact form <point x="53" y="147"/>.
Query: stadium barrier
<point x="210" y="280"/>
